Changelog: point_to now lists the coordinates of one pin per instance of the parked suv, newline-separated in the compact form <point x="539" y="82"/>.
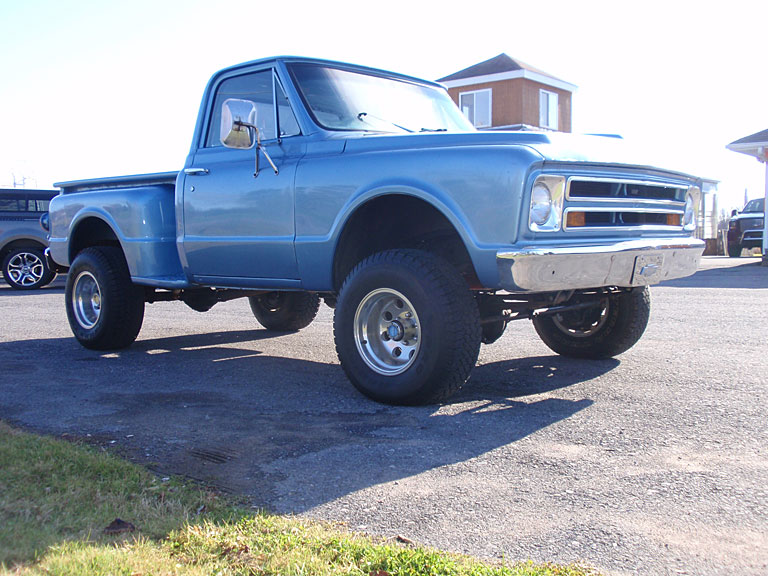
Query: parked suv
<point x="22" y="240"/>
<point x="745" y="229"/>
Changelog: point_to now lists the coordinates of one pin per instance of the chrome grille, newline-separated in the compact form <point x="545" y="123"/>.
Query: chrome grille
<point x="618" y="204"/>
<point x="608" y="189"/>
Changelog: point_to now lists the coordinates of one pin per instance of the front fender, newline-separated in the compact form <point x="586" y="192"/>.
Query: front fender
<point x="439" y="199"/>
<point x="477" y="189"/>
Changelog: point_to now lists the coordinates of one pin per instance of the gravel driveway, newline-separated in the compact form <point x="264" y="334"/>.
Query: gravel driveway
<point x="653" y="463"/>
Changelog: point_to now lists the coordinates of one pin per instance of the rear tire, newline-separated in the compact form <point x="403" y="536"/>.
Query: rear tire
<point x="105" y="309"/>
<point x="285" y="311"/>
<point x="407" y="328"/>
<point x="602" y="332"/>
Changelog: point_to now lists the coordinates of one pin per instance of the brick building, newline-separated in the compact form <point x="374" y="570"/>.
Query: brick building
<point x="505" y="94"/>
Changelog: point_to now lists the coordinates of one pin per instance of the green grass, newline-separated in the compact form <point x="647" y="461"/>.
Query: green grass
<point x="56" y="498"/>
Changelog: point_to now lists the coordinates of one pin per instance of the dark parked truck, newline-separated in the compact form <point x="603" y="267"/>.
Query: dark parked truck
<point x="311" y="179"/>
<point x="745" y="228"/>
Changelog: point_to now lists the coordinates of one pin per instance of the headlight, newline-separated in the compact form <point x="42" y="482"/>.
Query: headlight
<point x="689" y="216"/>
<point x="541" y="204"/>
<point x="546" y="210"/>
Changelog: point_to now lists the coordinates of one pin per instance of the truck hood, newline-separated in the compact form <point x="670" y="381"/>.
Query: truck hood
<point x="551" y="146"/>
<point x="748" y="216"/>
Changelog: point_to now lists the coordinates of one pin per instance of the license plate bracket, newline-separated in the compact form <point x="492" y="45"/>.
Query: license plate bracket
<point x="648" y="269"/>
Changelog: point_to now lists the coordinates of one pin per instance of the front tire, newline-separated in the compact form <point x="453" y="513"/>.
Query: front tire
<point x="734" y="250"/>
<point x="285" y="311"/>
<point x="26" y="269"/>
<point x="407" y="328"/>
<point x="608" y="330"/>
<point x="105" y="309"/>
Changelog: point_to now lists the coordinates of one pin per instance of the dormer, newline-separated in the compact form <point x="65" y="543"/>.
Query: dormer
<point x="506" y="94"/>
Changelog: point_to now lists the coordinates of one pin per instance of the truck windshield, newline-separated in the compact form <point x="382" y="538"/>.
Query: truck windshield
<point x="351" y="100"/>
<point x="755" y="205"/>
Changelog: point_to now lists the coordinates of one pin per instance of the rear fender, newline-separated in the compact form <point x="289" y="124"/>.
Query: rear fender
<point x="141" y="221"/>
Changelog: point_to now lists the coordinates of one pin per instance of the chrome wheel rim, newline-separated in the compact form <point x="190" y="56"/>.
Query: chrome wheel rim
<point x="25" y="269"/>
<point x="86" y="300"/>
<point x="387" y="332"/>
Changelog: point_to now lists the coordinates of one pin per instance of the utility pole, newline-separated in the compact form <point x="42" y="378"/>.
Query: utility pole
<point x="19" y="184"/>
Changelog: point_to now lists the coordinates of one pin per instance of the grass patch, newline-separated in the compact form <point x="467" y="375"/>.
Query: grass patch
<point x="56" y="498"/>
<point x="53" y="491"/>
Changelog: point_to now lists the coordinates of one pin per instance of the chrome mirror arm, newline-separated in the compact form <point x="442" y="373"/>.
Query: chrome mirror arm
<point x="240" y="123"/>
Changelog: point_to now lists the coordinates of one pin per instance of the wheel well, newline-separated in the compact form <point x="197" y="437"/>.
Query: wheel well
<point x="20" y="243"/>
<point x="91" y="232"/>
<point x="399" y="221"/>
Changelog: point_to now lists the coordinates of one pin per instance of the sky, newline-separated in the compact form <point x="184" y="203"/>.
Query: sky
<point x="104" y="88"/>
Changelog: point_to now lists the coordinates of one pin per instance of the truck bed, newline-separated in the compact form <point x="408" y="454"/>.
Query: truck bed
<point x="154" y="179"/>
<point x="139" y="212"/>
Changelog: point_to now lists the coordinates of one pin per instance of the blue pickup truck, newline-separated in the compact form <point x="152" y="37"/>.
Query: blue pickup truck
<point x="310" y="180"/>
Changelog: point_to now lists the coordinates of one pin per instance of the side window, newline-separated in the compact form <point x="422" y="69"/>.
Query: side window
<point x="257" y="87"/>
<point x="285" y="117"/>
<point x="41" y="205"/>
<point x="13" y="204"/>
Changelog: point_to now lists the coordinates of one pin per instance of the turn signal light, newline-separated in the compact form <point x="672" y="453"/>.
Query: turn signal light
<point x="674" y="220"/>
<point x="576" y="219"/>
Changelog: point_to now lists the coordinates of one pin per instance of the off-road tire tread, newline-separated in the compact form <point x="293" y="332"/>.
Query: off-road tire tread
<point x="628" y="318"/>
<point x="447" y="288"/>
<point x="122" y="301"/>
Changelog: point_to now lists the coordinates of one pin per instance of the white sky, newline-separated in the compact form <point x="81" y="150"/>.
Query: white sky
<point x="101" y="88"/>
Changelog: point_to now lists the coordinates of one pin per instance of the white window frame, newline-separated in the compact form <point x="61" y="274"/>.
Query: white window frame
<point x="474" y="93"/>
<point x="549" y="109"/>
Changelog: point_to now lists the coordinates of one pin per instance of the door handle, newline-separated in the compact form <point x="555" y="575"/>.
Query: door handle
<point x="196" y="171"/>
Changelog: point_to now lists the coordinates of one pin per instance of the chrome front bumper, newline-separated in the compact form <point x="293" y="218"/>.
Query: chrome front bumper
<point x="625" y="264"/>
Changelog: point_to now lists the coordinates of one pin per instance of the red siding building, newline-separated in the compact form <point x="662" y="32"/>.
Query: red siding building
<point x="505" y="94"/>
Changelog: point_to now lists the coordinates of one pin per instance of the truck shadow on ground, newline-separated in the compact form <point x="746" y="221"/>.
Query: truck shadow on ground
<point x="290" y="434"/>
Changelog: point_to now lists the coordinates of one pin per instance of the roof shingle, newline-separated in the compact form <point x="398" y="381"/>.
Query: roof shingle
<point x="496" y="65"/>
<point x="757" y="138"/>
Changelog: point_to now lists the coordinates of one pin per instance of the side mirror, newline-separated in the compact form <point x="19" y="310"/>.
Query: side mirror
<point x="238" y="126"/>
<point x="238" y="123"/>
<point x="734" y="213"/>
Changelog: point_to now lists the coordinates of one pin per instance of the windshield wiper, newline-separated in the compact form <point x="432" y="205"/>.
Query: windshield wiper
<point x="363" y="115"/>
<point x="434" y="130"/>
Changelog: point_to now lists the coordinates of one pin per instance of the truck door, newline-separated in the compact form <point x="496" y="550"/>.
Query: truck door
<point x="238" y="228"/>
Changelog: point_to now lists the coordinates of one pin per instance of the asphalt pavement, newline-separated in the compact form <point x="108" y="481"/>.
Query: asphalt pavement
<point x="653" y="463"/>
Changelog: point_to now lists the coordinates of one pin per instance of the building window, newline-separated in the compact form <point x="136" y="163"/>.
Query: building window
<point x="476" y="106"/>
<point x="548" y="109"/>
